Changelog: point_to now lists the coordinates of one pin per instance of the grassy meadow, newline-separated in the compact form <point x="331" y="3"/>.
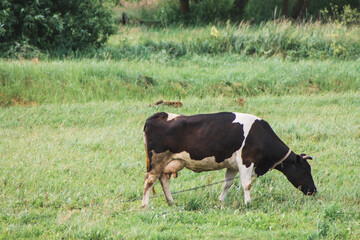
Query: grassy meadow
<point x="71" y="143"/>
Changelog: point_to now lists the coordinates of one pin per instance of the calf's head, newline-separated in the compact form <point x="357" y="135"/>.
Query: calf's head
<point x="298" y="172"/>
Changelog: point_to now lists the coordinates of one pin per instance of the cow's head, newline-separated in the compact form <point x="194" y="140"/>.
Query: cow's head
<point x="298" y="172"/>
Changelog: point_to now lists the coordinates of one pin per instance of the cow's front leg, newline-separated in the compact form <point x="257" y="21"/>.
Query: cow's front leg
<point x="228" y="181"/>
<point x="149" y="184"/>
<point x="165" y="183"/>
<point x="246" y="175"/>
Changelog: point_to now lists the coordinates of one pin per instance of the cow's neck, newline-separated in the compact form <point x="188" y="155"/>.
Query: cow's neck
<point x="281" y="160"/>
<point x="273" y="160"/>
<point x="290" y="158"/>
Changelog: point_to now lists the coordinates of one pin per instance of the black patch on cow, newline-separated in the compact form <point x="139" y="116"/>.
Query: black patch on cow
<point x="262" y="147"/>
<point x="204" y="135"/>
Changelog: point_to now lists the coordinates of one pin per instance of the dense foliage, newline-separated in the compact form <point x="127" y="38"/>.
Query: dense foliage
<point x="256" y="11"/>
<point x="53" y="25"/>
<point x="30" y="29"/>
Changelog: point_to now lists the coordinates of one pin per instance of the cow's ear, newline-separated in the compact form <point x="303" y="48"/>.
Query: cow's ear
<point x="298" y="159"/>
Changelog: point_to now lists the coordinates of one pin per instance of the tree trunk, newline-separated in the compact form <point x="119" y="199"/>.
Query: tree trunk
<point x="238" y="7"/>
<point x="184" y="6"/>
<point x="240" y="4"/>
<point x="285" y="8"/>
<point x="299" y="9"/>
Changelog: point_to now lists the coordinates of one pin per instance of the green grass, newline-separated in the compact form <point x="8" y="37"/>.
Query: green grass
<point x="67" y="81"/>
<point x="71" y="145"/>
<point x="65" y="168"/>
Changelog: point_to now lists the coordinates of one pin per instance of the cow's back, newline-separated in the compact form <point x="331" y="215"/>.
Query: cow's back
<point x="205" y="135"/>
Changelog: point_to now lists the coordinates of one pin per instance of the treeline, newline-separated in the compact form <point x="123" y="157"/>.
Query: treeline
<point x="197" y="12"/>
<point x="65" y="27"/>
<point x="265" y="10"/>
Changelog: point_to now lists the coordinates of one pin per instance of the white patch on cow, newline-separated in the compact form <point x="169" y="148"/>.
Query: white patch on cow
<point x="247" y="120"/>
<point x="171" y="116"/>
<point x="246" y="173"/>
<point x="234" y="164"/>
<point x="205" y="164"/>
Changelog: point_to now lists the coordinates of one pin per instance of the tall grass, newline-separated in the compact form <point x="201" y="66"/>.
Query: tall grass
<point x="282" y="38"/>
<point x="278" y="38"/>
<point x="28" y="82"/>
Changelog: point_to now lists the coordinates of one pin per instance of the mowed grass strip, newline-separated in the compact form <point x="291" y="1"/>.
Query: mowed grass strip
<point x="66" y="168"/>
<point x="70" y="81"/>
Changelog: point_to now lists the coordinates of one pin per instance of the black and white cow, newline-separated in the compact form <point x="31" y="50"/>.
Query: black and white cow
<point x="241" y="143"/>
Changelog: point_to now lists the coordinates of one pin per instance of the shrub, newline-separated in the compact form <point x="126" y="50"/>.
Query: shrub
<point x="345" y="15"/>
<point x="351" y="16"/>
<point x="54" y="25"/>
<point x="315" y="7"/>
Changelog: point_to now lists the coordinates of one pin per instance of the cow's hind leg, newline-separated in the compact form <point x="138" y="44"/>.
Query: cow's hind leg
<point x="173" y="167"/>
<point x="229" y="179"/>
<point x="165" y="183"/>
<point x="158" y="162"/>
<point x="149" y="184"/>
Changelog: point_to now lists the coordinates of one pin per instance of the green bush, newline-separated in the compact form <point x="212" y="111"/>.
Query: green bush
<point x="53" y="25"/>
<point x="316" y="6"/>
<point x="345" y="15"/>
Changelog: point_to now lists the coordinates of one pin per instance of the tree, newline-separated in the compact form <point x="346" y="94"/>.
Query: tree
<point x="238" y="7"/>
<point x="184" y="6"/>
<point x="285" y="8"/>
<point x="299" y="9"/>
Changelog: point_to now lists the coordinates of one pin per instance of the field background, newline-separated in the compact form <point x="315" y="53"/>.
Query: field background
<point x="71" y="144"/>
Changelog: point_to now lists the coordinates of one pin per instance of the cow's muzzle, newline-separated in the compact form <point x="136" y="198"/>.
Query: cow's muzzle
<point x="309" y="192"/>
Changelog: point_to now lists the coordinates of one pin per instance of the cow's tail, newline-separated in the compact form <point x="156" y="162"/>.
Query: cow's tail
<point x="148" y="159"/>
<point x="147" y="155"/>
